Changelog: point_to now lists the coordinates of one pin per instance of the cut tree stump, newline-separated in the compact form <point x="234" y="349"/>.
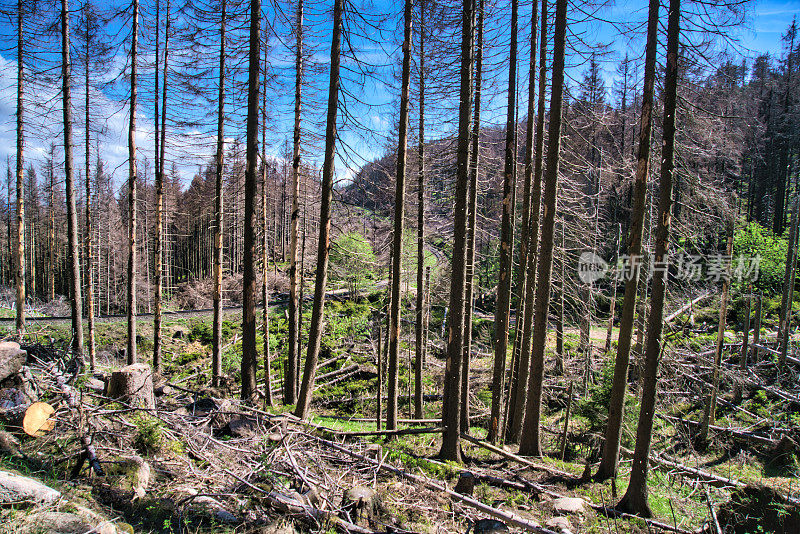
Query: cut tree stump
<point x="133" y="384"/>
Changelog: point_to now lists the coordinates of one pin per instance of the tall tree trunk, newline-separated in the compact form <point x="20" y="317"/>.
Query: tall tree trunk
<point x="216" y="345"/>
<point x="295" y="307"/>
<point x="249" y="350"/>
<point x="610" y="458"/>
<point x="264" y="256"/>
<point x="788" y="287"/>
<point x="520" y="368"/>
<point x="72" y="212"/>
<point x="635" y="498"/>
<point x="88" y="252"/>
<point x="472" y="208"/>
<point x="613" y="305"/>
<point x="399" y="210"/>
<point x="159" y="263"/>
<point x="132" y="192"/>
<point x="20" y="236"/>
<point x="530" y="442"/>
<point x="502" y="310"/>
<point x="421" y="286"/>
<point x="451" y="412"/>
<point x="323" y="247"/>
<point x="709" y="413"/>
<point x="757" y="329"/>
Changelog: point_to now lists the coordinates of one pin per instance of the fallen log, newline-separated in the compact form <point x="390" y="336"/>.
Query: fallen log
<point x="508" y="517"/>
<point x="740" y="434"/>
<point x="671" y="317"/>
<point x="514" y="457"/>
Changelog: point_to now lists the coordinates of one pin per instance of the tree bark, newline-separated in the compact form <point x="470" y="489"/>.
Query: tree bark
<point x="159" y="263"/>
<point x="709" y="413"/>
<point x="421" y="286"/>
<point x="264" y="254"/>
<point x="520" y="368"/>
<point x="788" y="288"/>
<point x="451" y="411"/>
<point x="20" y="235"/>
<point x="619" y="387"/>
<point x="502" y="310"/>
<point x="249" y="350"/>
<point x="323" y="247"/>
<point x="530" y="442"/>
<point x="399" y="210"/>
<point x="132" y="191"/>
<point x="635" y="498"/>
<point x="290" y="372"/>
<point x="88" y="252"/>
<point x="216" y="344"/>
<point x="472" y="208"/>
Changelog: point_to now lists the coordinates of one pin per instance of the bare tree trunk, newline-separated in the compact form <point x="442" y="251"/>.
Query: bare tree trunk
<point x="613" y="305"/>
<point x="520" y="368"/>
<point x="472" y="208"/>
<point x="502" y="309"/>
<point x="20" y="236"/>
<point x="421" y="286"/>
<point x="788" y="288"/>
<point x="530" y="442"/>
<point x="451" y="412"/>
<point x="88" y="241"/>
<point x="709" y="413"/>
<point x="757" y="329"/>
<point x="295" y="307"/>
<point x="159" y="267"/>
<point x="249" y="351"/>
<point x="635" y="498"/>
<point x="216" y="345"/>
<point x="264" y="257"/>
<point x="72" y="212"/>
<point x="132" y="178"/>
<point x="323" y="248"/>
<point x="610" y="458"/>
<point x="745" y="343"/>
<point x="399" y="210"/>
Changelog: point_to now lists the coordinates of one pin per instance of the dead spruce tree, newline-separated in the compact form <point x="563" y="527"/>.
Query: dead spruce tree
<point x="635" y="499"/>
<point x="530" y="441"/>
<point x="323" y="247"/>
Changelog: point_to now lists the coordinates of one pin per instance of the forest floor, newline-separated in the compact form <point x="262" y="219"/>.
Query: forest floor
<point x="215" y="465"/>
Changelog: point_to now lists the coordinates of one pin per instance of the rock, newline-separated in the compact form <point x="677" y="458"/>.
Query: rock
<point x="488" y="526"/>
<point x="15" y="488"/>
<point x="12" y="358"/>
<point x="10" y="445"/>
<point x="279" y="526"/>
<point x="96" y="385"/>
<point x="559" y="524"/>
<point x="569" y="505"/>
<point x="133" y="384"/>
<point x="242" y="427"/>
<point x="134" y="473"/>
<point x="224" y="516"/>
<point x="56" y="523"/>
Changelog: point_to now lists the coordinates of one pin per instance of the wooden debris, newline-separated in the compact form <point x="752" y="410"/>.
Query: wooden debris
<point x="38" y="419"/>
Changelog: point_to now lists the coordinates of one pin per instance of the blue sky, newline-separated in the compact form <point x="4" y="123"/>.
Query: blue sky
<point x="766" y="22"/>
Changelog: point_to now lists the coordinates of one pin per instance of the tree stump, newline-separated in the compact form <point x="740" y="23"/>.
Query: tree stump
<point x="133" y="384"/>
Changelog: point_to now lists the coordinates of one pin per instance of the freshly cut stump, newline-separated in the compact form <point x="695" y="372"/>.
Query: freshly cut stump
<point x="133" y="384"/>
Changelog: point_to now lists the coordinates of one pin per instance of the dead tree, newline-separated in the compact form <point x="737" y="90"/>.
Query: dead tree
<point x="293" y="357"/>
<point x="132" y="190"/>
<point x="635" y="499"/>
<point x="216" y="344"/>
<point x="530" y="442"/>
<point x="451" y="411"/>
<point x="19" y="257"/>
<point x="610" y="458"/>
<point x="323" y="247"/>
<point x="419" y="327"/>
<point x="249" y="351"/>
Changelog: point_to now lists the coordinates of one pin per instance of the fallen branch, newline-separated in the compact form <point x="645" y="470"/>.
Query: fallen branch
<point x="514" y="457"/>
